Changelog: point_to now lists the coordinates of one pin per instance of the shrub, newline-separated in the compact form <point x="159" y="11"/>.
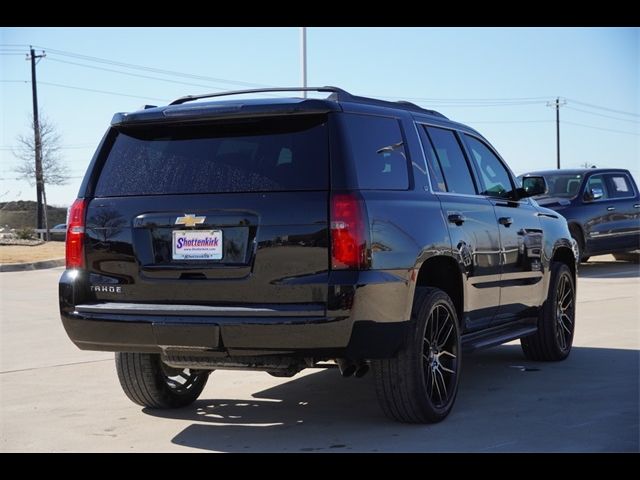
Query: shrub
<point x="25" y="233"/>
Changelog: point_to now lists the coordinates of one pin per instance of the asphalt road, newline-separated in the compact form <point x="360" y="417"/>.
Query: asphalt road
<point x="55" y="398"/>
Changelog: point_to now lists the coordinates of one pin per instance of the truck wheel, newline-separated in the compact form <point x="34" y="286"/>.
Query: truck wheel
<point x="576" y="234"/>
<point x="556" y="324"/>
<point x="419" y="384"/>
<point x="149" y="382"/>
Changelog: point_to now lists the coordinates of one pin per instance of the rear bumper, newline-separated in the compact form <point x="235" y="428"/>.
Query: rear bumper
<point x="356" y="328"/>
<point x="154" y="333"/>
<point x="234" y="336"/>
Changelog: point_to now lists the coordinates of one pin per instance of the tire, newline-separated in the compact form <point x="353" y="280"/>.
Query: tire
<point x="556" y="324"/>
<point x="149" y="382"/>
<point x="410" y="386"/>
<point x="633" y="257"/>
<point x="577" y="236"/>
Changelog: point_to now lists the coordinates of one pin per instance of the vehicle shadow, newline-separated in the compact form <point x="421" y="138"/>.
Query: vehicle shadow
<point x="587" y="403"/>
<point x="607" y="267"/>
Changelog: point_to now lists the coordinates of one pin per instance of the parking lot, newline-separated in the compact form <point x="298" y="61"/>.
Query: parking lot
<point x="54" y="397"/>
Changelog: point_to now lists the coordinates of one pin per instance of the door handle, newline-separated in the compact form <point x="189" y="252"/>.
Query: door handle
<point x="637" y="205"/>
<point x="456" y="218"/>
<point x="506" y="221"/>
<point x="610" y="209"/>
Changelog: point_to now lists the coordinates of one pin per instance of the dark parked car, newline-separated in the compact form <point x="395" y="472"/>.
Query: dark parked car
<point x="279" y="234"/>
<point x="601" y="205"/>
<point x="60" y="235"/>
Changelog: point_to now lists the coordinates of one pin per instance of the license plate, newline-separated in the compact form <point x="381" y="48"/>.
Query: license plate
<point x="197" y="244"/>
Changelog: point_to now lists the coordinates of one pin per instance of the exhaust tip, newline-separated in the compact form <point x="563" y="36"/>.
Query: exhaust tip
<point x="347" y="367"/>
<point x="362" y="370"/>
<point x="348" y="371"/>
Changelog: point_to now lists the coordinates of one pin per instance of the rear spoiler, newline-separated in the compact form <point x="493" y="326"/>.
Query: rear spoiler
<point x="221" y="110"/>
<point x="176" y="111"/>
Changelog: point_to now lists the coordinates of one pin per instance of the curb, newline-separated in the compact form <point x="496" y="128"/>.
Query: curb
<point x="19" y="267"/>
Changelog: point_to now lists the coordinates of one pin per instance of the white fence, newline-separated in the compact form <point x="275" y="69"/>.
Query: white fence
<point x="41" y="232"/>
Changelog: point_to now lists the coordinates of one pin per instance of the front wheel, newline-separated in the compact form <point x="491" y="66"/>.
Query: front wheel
<point x="556" y="324"/>
<point x="149" y="382"/>
<point x="419" y="384"/>
<point x="577" y="236"/>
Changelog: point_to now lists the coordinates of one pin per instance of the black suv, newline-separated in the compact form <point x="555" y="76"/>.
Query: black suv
<point x="601" y="205"/>
<point x="284" y="233"/>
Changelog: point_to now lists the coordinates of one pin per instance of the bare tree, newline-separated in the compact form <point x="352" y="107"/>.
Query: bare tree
<point x="54" y="171"/>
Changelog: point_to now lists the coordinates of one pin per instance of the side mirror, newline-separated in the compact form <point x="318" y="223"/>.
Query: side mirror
<point x="592" y="194"/>
<point x="532" y="186"/>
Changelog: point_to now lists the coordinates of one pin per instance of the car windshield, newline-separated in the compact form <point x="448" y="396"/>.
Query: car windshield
<point x="563" y="185"/>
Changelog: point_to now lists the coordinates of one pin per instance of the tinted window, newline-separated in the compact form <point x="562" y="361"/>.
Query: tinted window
<point x="252" y="156"/>
<point x="435" y="172"/>
<point x="597" y="182"/>
<point x="452" y="162"/>
<point x="377" y="150"/>
<point x="494" y="177"/>
<point x="618" y="186"/>
<point x="562" y="185"/>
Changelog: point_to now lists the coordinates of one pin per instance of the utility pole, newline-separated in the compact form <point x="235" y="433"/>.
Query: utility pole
<point x="303" y="57"/>
<point x="38" y="141"/>
<point x="557" y="104"/>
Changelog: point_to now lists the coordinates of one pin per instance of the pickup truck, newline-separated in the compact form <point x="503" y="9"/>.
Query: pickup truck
<point x="601" y="205"/>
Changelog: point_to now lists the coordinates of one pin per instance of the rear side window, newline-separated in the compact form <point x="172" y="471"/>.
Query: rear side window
<point x="454" y="167"/>
<point x="251" y="156"/>
<point x="378" y="152"/>
<point x="618" y="186"/>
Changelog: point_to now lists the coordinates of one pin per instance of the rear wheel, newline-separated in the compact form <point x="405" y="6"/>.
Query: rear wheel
<point x="419" y="385"/>
<point x="553" y="340"/>
<point x="149" y="382"/>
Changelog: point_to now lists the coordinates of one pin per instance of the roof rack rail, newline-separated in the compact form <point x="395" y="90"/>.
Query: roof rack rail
<point x="342" y="95"/>
<point x="337" y="94"/>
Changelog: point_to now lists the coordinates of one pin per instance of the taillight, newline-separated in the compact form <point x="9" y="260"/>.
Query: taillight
<point x="75" y="234"/>
<point x="348" y="232"/>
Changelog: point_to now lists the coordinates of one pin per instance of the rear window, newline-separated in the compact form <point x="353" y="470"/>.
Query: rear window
<point x="250" y="156"/>
<point x="378" y="152"/>
<point x="619" y="186"/>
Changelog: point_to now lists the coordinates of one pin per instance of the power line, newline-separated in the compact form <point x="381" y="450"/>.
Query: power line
<point x="483" y="105"/>
<point x="468" y="100"/>
<point x="152" y="69"/>
<point x="600" y="128"/>
<point x="61" y="85"/>
<point x="603" y="115"/>
<point x="135" y="74"/>
<point x="603" y="108"/>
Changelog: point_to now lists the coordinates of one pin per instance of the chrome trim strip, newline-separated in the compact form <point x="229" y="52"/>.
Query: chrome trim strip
<point x="613" y="234"/>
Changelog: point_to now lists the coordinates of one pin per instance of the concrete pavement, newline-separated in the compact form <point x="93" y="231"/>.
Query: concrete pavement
<point x="54" y="397"/>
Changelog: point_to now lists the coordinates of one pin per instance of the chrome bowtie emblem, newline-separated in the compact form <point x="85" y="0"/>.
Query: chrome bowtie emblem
<point x="190" y="220"/>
